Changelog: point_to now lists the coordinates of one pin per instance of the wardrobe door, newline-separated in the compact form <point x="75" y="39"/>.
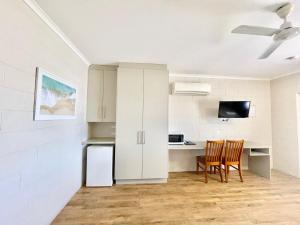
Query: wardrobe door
<point x="128" y="151"/>
<point x="95" y="95"/>
<point x="155" y="124"/>
<point x="109" y="96"/>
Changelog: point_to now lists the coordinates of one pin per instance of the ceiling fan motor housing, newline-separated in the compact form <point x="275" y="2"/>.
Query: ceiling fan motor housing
<point x="284" y="10"/>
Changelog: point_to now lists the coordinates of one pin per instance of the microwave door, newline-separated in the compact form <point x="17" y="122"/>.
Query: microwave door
<point x="176" y="139"/>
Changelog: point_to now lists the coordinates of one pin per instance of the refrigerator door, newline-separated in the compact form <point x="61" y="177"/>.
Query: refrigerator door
<point x="99" y="166"/>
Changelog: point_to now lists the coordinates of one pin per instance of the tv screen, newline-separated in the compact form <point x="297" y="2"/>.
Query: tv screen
<point x="234" y="109"/>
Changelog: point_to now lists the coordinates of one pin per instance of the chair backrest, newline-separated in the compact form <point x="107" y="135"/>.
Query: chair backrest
<point x="234" y="150"/>
<point x="214" y="150"/>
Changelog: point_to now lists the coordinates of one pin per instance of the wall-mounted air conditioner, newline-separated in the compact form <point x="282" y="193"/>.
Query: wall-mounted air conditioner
<point x="181" y="88"/>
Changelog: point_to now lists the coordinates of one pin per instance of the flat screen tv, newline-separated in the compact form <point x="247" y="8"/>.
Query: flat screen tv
<point x="234" y="109"/>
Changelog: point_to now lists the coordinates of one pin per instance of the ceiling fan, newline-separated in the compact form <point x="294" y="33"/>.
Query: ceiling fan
<point x="285" y="32"/>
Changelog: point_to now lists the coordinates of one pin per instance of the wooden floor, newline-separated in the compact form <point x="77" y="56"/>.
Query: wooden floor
<point x="186" y="199"/>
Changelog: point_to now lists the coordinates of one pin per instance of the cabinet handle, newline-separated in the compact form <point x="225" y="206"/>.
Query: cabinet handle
<point x="104" y="112"/>
<point x="144" y="137"/>
<point x="138" y="137"/>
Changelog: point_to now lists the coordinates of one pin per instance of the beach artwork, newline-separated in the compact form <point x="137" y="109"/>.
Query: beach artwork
<point x="55" y="99"/>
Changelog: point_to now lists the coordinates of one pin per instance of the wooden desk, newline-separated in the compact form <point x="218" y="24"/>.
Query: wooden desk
<point x="259" y="155"/>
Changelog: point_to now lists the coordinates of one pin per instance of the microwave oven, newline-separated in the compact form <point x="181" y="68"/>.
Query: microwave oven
<point x="176" y="139"/>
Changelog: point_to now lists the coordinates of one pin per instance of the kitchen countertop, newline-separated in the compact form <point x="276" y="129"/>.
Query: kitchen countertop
<point x="100" y="141"/>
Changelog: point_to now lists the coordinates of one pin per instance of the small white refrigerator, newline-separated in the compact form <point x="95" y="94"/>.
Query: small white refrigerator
<point x="99" y="171"/>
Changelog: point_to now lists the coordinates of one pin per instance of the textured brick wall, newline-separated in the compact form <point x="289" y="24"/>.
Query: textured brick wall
<point x="40" y="161"/>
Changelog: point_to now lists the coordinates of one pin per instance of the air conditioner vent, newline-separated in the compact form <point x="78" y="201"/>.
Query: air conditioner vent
<point x="181" y="88"/>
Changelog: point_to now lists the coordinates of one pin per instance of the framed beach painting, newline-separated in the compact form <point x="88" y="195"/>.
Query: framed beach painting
<point x="55" y="99"/>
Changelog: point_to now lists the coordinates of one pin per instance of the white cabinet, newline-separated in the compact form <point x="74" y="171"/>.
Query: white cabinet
<point x="155" y="124"/>
<point x="94" y="95"/>
<point x="99" y="166"/>
<point x="101" y="96"/>
<point x="129" y="124"/>
<point x="142" y="123"/>
<point x="109" y="96"/>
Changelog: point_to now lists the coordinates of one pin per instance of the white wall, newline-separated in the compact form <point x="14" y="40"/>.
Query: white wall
<point x="196" y="116"/>
<point x="284" y="123"/>
<point x="40" y="162"/>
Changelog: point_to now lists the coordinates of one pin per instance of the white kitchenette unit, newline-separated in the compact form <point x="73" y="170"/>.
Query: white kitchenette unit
<point x="128" y="103"/>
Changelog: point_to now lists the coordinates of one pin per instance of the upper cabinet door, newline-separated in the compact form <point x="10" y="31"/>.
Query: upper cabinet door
<point x="128" y="151"/>
<point x="95" y="95"/>
<point x="109" y="96"/>
<point x="155" y="124"/>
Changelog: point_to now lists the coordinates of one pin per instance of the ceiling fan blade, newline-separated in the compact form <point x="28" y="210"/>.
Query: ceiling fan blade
<point x="271" y="49"/>
<point x="254" y="30"/>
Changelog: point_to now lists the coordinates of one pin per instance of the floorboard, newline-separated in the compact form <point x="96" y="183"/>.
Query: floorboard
<point x="186" y="199"/>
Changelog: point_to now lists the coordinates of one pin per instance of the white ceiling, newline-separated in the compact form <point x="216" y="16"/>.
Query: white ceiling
<point x="191" y="36"/>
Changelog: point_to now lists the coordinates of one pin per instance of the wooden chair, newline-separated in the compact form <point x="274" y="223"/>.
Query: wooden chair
<point x="212" y="158"/>
<point x="233" y="156"/>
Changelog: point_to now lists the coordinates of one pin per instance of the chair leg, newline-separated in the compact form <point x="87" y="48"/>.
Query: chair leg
<point x="197" y="166"/>
<point x="220" y="171"/>
<point x="210" y="169"/>
<point x="205" y="173"/>
<point x="226" y="173"/>
<point x="240" y="173"/>
<point x="215" y="169"/>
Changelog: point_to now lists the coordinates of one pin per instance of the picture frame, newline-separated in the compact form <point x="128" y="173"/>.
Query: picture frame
<point x="55" y="98"/>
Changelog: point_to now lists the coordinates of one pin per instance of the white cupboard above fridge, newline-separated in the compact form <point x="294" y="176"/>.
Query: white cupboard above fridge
<point x="101" y="94"/>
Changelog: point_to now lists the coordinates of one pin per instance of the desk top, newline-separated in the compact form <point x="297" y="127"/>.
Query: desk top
<point x="201" y="145"/>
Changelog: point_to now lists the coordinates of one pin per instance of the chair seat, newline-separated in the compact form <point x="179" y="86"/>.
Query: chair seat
<point x="230" y="162"/>
<point x="201" y="159"/>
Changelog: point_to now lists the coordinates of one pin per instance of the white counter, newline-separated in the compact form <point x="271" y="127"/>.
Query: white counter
<point x="100" y="141"/>
<point x="201" y="145"/>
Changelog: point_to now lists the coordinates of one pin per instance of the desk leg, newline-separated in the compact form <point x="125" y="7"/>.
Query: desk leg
<point x="260" y="165"/>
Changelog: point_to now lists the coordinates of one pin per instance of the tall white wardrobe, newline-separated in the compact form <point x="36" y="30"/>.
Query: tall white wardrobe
<point x="141" y="150"/>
